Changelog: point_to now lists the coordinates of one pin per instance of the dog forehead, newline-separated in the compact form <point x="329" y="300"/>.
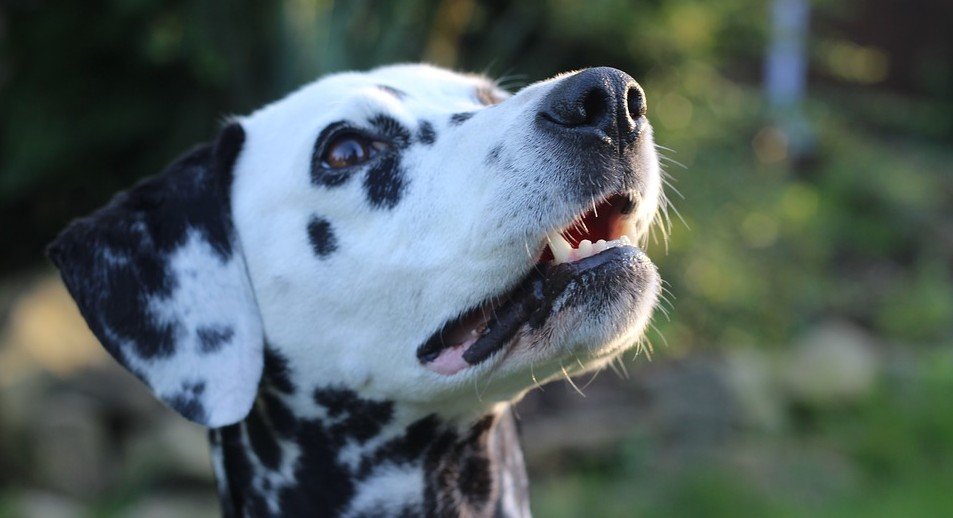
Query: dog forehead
<point x="395" y="88"/>
<point x="430" y="82"/>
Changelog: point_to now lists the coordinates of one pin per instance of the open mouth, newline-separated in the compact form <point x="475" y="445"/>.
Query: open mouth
<point x="596" y="239"/>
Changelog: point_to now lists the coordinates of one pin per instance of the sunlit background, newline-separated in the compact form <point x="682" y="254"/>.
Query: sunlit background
<point x="805" y="367"/>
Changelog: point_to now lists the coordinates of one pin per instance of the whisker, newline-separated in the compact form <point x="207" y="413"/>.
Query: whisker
<point x="566" y="374"/>
<point x="532" y="375"/>
<point x="660" y="335"/>
<point x="614" y="368"/>
<point x="672" y="161"/>
<point x="591" y="379"/>
<point x="529" y="255"/>
<point x="625" y="370"/>
<point x="668" y="183"/>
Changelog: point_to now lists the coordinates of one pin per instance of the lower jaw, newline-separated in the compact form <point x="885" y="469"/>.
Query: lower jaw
<point x="533" y="305"/>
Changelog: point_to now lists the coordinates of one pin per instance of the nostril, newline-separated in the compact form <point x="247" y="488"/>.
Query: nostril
<point x="602" y="101"/>
<point x="596" y="105"/>
<point x="635" y="102"/>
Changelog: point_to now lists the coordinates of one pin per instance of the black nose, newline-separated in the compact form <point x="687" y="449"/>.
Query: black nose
<point x="601" y="100"/>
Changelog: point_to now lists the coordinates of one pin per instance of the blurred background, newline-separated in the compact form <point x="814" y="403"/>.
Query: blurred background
<point x="805" y="367"/>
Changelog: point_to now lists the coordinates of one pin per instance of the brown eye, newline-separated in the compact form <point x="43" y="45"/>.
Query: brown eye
<point x="348" y="151"/>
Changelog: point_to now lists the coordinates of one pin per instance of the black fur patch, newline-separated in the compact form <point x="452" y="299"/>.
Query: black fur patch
<point x="321" y="236"/>
<point x="385" y="183"/>
<point x="212" y="338"/>
<point x="458" y="474"/>
<point x="275" y="372"/>
<point x="279" y="415"/>
<point x="475" y="478"/>
<point x="389" y="127"/>
<point x="358" y="418"/>
<point x="494" y="155"/>
<point x="242" y="499"/>
<point x="426" y="134"/>
<point x="117" y="259"/>
<point x="459" y="118"/>
<point x="324" y="486"/>
<point x="263" y="441"/>
<point x="188" y="401"/>
<point x="409" y="447"/>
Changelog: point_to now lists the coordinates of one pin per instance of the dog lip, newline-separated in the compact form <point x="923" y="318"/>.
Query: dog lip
<point x="506" y="320"/>
<point x="530" y="303"/>
<point x="520" y="307"/>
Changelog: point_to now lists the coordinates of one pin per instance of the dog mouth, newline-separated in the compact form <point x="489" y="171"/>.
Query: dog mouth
<point x="595" y="242"/>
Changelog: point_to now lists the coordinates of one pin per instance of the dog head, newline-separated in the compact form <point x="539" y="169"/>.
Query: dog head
<point x="408" y="233"/>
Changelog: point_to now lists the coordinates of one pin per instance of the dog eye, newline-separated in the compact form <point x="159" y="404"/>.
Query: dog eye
<point x="350" y="150"/>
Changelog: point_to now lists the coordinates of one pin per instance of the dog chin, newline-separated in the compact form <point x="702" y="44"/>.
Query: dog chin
<point x="594" y="309"/>
<point x="602" y="312"/>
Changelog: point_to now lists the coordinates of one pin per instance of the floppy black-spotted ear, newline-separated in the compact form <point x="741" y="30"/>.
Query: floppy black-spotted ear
<point x="160" y="278"/>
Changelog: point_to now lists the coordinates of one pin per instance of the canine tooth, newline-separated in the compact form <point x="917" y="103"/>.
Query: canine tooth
<point x="585" y="249"/>
<point x="560" y="247"/>
<point x="630" y="231"/>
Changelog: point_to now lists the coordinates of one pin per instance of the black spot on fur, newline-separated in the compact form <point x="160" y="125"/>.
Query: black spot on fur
<point x="475" y="478"/>
<point x="459" y="473"/>
<point x="421" y="435"/>
<point x="262" y="439"/>
<point x="282" y="420"/>
<point x="212" y="338"/>
<point x="324" y="487"/>
<point x="188" y="401"/>
<point x="321" y="236"/>
<point x="400" y="94"/>
<point x="494" y="155"/>
<point x="360" y="418"/>
<point x="275" y="372"/>
<point x="242" y="499"/>
<point x="218" y="455"/>
<point x="392" y="129"/>
<point x="385" y="183"/>
<point x="426" y="134"/>
<point x="459" y="118"/>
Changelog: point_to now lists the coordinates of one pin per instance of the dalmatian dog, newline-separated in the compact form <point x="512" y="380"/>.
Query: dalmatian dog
<point x="351" y="286"/>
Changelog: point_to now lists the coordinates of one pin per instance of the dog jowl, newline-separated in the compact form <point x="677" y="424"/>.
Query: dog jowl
<point x="350" y="286"/>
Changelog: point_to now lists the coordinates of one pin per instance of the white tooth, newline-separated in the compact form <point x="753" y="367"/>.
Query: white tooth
<point x="560" y="247"/>
<point x="584" y="249"/>
<point x="625" y="240"/>
<point x="600" y="246"/>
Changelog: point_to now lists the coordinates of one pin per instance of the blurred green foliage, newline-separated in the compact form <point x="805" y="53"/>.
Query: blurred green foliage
<point x="94" y="95"/>
<point x="894" y="452"/>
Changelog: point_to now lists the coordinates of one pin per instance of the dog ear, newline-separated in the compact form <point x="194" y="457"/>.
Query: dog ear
<point x="160" y="278"/>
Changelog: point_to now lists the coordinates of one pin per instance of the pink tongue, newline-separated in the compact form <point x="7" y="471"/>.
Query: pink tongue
<point x="450" y="361"/>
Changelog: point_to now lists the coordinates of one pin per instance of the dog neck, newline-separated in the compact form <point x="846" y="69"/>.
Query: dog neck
<point x="359" y="457"/>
